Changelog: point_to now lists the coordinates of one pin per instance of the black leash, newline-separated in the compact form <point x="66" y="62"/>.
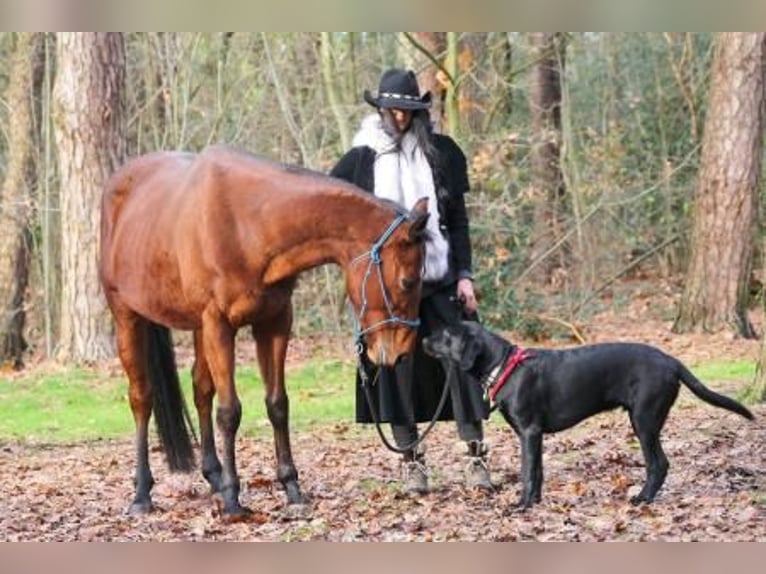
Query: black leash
<point x="365" y="379"/>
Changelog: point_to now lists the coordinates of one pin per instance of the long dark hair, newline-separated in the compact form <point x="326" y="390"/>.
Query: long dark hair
<point x="420" y="126"/>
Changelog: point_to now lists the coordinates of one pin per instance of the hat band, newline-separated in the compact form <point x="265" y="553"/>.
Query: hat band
<point x="398" y="96"/>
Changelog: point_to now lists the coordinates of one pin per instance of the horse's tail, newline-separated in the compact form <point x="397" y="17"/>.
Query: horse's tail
<point x="170" y="412"/>
<point x="709" y="396"/>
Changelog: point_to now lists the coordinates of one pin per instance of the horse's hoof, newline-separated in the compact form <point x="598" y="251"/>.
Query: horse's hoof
<point x="238" y="513"/>
<point x="140" y="507"/>
<point x="230" y="510"/>
<point x="235" y="512"/>
<point x="294" y="495"/>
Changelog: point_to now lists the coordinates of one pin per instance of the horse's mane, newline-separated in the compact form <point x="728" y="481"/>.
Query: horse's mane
<point x="319" y="176"/>
<point x="262" y="159"/>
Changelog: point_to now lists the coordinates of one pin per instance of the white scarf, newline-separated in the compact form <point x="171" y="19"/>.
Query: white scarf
<point x="405" y="177"/>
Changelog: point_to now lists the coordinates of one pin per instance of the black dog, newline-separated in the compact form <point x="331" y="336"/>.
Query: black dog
<point x="544" y="391"/>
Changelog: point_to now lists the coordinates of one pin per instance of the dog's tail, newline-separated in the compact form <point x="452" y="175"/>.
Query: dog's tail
<point x="709" y="396"/>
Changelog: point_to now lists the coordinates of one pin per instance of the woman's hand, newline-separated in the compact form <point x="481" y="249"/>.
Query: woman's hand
<point x="466" y="295"/>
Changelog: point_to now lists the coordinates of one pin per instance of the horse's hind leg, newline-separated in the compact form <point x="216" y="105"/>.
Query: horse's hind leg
<point x="132" y="349"/>
<point x="204" y="390"/>
<point x="272" y="350"/>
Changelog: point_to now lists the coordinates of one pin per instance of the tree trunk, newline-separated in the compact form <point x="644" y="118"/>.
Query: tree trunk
<point x="500" y="74"/>
<point x="756" y="391"/>
<point x="430" y="78"/>
<point x="89" y="118"/>
<point x="471" y="63"/>
<point x="451" y="109"/>
<point x="725" y="202"/>
<point x="162" y="88"/>
<point x="330" y="75"/>
<point x="547" y="179"/>
<point x="17" y="194"/>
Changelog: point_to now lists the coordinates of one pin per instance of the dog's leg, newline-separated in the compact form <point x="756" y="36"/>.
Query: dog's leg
<point x="537" y="494"/>
<point x="531" y="467"/>
<point x="648" y="432"/>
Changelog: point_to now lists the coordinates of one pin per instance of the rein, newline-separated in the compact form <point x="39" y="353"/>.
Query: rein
<point x="375" y="262"/>
<point x="373" y="412"/>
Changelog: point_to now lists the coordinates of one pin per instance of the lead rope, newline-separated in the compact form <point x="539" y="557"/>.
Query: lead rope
<point x="375" y="260"/>
<point x="365" y="381"/>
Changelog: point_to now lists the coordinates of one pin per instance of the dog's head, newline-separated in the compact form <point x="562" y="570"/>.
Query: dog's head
<point x="462" y="343"/>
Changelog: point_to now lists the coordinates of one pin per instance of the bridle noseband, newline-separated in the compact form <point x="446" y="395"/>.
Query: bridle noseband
<point x="376" y="263"/>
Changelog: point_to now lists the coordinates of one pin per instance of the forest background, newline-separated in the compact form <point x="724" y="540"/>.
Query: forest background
<point x="593" y="160"/>
<point x="616" y="194"/>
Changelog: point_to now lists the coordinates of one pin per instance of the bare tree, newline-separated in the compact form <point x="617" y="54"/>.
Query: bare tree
<point x="423" y="52"/>
<point x="548" y="189"/>
<point x="756" y="390"/>
<point x="89" y="112"/>
<point x="333" y="92"/>
<point x="17" y="196"/>
<point x="726" y="196"/>
<point x="471" y="63"/>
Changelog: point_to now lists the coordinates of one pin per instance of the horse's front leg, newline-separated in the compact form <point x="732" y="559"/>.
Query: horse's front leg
<point x="131" y="347"/>
<point x="218" y="346"/>
<point x="204" y="391"/>
<point x="272" y="350"/>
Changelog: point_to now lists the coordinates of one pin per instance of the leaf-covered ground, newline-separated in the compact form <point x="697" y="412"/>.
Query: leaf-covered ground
<point x="715" y="491"/>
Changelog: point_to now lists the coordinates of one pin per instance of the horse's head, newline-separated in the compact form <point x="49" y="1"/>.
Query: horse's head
<point x="384" y="286"/>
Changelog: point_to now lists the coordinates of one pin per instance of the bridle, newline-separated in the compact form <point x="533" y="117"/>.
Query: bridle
<point x="375" y="264"/>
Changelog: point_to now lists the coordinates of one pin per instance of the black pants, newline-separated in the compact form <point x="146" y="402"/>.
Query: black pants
<point x="407" y="434"/>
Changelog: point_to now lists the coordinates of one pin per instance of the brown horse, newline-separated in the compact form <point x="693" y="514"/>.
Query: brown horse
<point x="214" y="241"/>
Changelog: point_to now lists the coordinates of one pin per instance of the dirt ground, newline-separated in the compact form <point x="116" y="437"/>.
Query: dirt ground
<point x="715" y="491"/>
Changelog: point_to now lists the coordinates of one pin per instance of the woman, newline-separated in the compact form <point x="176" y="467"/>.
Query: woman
<point x="396" y="156"/>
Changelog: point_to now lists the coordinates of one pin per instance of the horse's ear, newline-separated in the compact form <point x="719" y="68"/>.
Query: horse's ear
<point x="419" y="218"/>
<point x="420" y="207"/>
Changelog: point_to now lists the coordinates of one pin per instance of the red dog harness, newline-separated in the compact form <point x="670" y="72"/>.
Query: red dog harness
<point x="519" y="356"/>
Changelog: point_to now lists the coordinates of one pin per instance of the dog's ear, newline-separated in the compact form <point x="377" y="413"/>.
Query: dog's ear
<point x="471" y="349"/>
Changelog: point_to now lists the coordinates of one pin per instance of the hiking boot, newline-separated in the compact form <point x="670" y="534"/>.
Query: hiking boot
<point x="477" y="469"/>
<point x="414" y="474"/>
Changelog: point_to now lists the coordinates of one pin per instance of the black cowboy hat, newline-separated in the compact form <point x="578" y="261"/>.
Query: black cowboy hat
<point x="399" y="89"/>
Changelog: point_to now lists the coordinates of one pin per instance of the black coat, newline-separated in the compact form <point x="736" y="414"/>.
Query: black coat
<point x="450" y="182"/>
<point x="411" y="392"/>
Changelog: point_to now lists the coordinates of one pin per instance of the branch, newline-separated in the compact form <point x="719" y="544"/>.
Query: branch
<point x="423" y="50"/>
<point x="572" y="328"/>
<point x="283" y="103"/>
<point x="602" y="205"/>
<point x="627" y="268"/>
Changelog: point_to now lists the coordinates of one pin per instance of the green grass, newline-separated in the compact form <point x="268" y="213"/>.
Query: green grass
<point x="81" y="404"/>
<point x="713" y="371"/>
